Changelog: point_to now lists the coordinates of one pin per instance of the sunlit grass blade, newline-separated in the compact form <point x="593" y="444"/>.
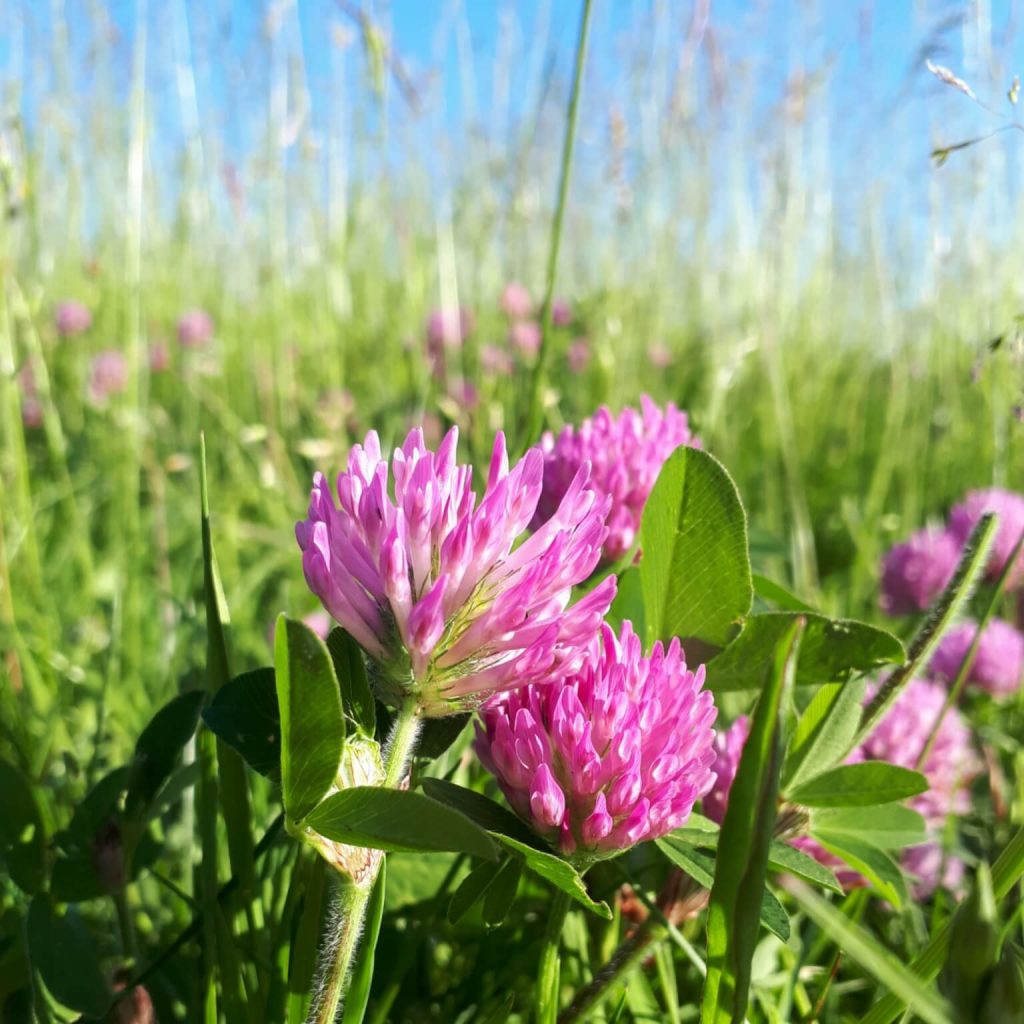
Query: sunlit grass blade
<point x="872" y="956"/>
<point x="1007" y="871"/>
<point x="741" y="865"/>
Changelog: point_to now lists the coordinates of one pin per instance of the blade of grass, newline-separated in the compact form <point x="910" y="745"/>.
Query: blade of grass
<point x="741" y="864"/>
<point x="535" y="409"/>
<point x="1007" y="871"/>
<point x="861" y="946"/>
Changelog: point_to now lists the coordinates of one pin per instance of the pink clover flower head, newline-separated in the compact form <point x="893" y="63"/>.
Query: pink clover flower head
<point x="998" y="663"/>
<point x="561" y="312"/>
<point x="31" y="407"/>
<point x="71" y="318"/>
<point x="525" y="336"/>
<point x="728" y="748"/>
<point x="448" y="328"/>
<point x="1009" y="507"/>
<point x="932" y="867"/>
<point x="579" y="355"/>
<point x="430" y="581"/>
<point x="617" y="754"/>
<point x="159" y="357"/>
<point x="108" y="375"/>
<point x="626" y="453"/>
<point x="951" y="764"/>
<point x="516" y="303"/>
<point x="495" y="360"/>
<point x="915" y="572"/>
<point x="195" y="328"/>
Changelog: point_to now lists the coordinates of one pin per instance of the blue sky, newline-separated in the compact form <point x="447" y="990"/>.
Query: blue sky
<point x="885" y="111"/>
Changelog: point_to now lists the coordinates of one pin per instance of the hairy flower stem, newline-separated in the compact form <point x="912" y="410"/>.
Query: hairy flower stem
<point x="548" y="972"/>
<point x="631" y="950"/>
<point x="347" y="925"/>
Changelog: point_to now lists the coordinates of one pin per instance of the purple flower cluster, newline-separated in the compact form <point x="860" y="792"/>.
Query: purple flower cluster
<point x="1009" y="508"/>
<point x="625" y="453"/>
<point x="898" y="739"/>
<point x="998" y="663"/>
<point x="915" y="572"/>
<point x="72" y="317"/>
<point x="430" y="582"/>
<point x="617" y="754"/>
<point x="108" y="375"/>
<point x="195" y="328"/>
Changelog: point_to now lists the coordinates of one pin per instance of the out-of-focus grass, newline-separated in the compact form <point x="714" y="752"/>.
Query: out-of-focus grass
<point x="704" y="260"/>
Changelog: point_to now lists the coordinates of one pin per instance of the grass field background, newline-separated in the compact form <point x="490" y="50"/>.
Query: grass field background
<point x="717" y="253"/>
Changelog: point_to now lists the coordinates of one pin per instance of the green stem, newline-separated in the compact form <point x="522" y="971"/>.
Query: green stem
<point x="535" y="415"/>
<point x="547" y="974"/>
<point x="349" y="912"/>
<point x="124" y="924"/>
<point x="630" y="952"/>
<point x="352" y="901"/>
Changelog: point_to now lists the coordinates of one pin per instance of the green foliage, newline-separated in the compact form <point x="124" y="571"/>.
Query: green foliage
<point x="63" y="952"/>
<point x="832" y="650"/>
<point x="244" y="714"/>
<point x="742" y="861"/>
<point x="312" y="720"/>
<point x="871" y="955"/>
<point x="159" y="748"/>
<point x="388" y="819"/>
<point x="859" y="785"/>
<point x="350" y="668"/>
<point x="696" y="576"/>
<point x="22" y="833"/>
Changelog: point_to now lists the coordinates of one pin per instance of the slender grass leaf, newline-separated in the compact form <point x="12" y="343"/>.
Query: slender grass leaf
<point x="871" y="861"/>
<point x="873" y="957"/>
<point x="312" y="720"/>
<point x="742" y="862"/>
<point x="824" y="732"/>
<point x="22" y="832"/>
<point x="774" y="916"/>
<point x="472" y="889"/>
<point x="397" y="820"/>
<point x="501" y="893"/>
<point x="159" y="748"/>
<point x="889" y="826"/>
<point x="701" y="868"/>
<point x="66" y="956"/>
<point x="482" y="809"/>
<point x="830" y="651"/>
<point x="860" y="785"/>
<point x="302" y="954"/>
<point x="244" y="714"/>
<point x="789" y="860"/>
<point x="1007" y="871"/>
<point x="350" y="668"/>
<point x="769" y="590"/>
<point x="695" y="573"/>
<point x="232" y="785"/>
<point x="698" y="866"/>
<point x="358" y="994"/>
<point x="558" y="872"/>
